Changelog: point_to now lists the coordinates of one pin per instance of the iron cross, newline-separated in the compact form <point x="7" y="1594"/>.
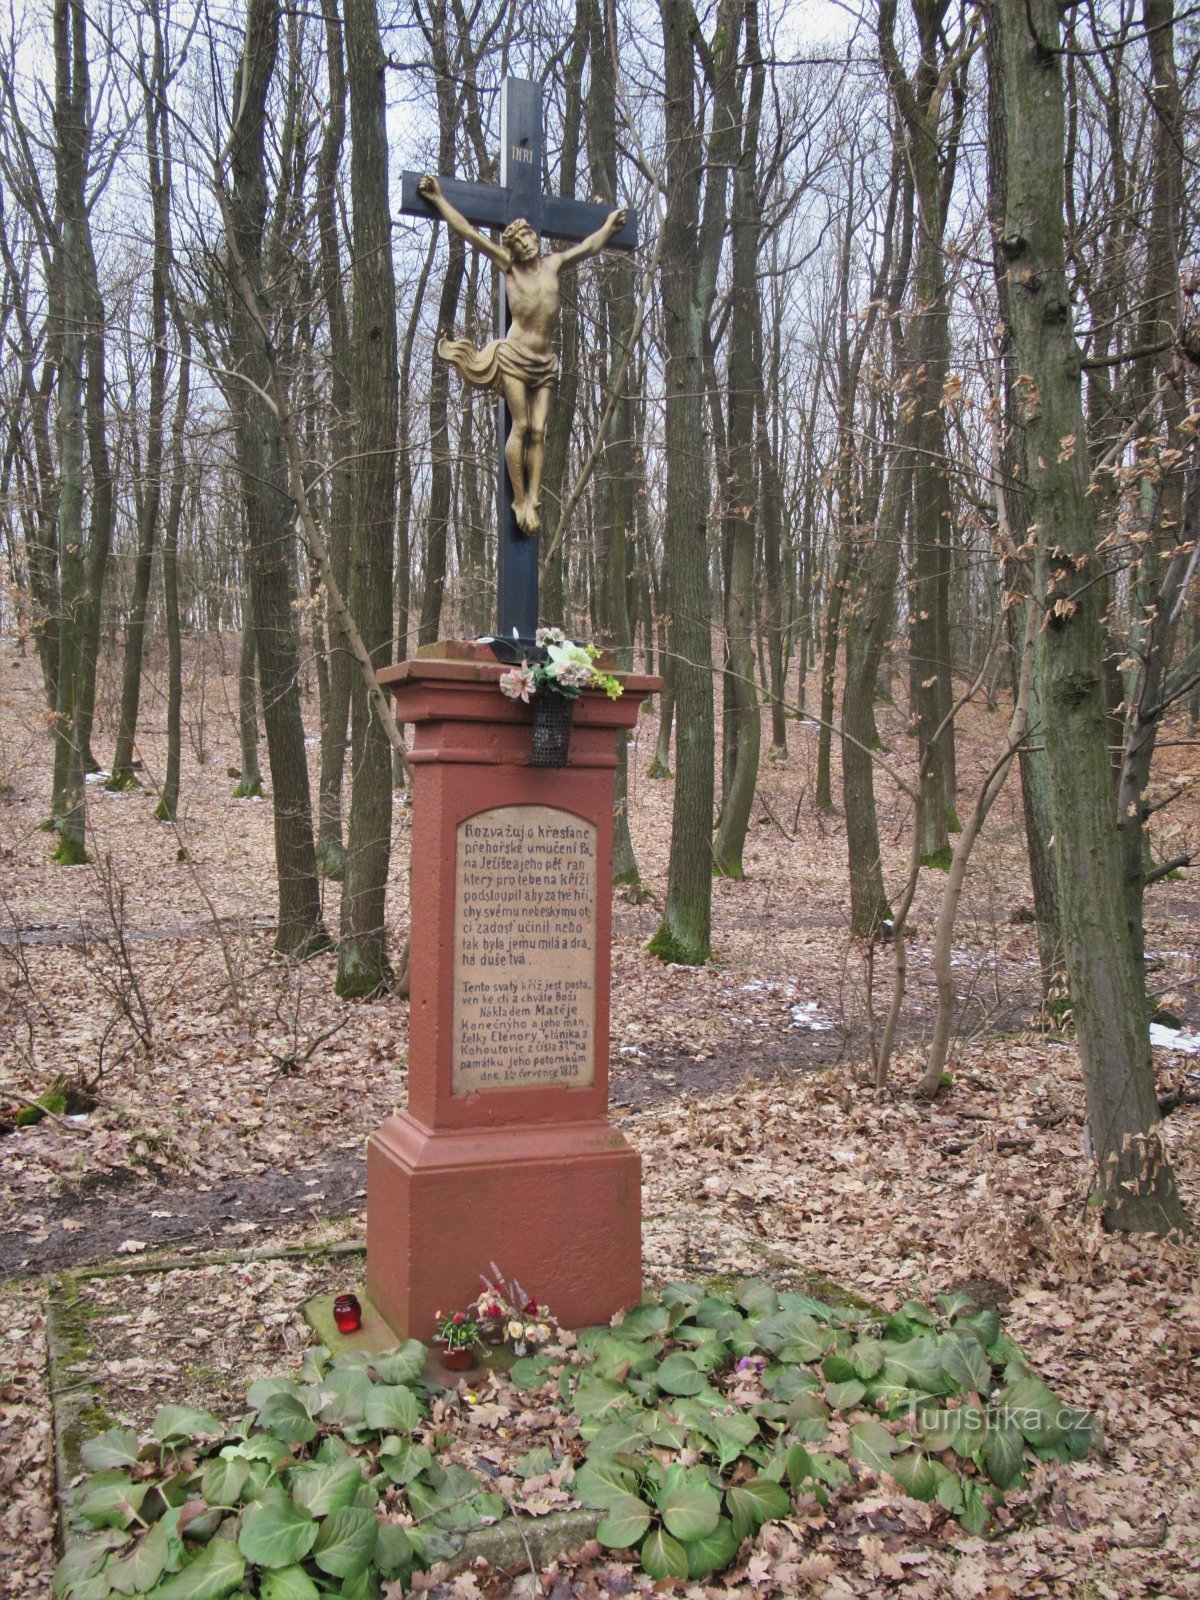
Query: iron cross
<point x="485" y="205"/>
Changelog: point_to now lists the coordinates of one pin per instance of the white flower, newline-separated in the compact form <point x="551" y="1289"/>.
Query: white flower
<point x="518" y="683"/>
<point x="547" y="636"/>
<point x="571" y="665"/>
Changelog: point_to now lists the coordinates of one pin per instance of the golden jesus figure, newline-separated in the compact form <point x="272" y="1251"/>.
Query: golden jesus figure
<point x="522" y="366"/>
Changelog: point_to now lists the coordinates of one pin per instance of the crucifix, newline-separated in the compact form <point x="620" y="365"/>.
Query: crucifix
<point x="520" y="366"/>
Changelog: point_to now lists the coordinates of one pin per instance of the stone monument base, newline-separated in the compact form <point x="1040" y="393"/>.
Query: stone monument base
<point x="505" y="1153"/>
<point x="558" y="1208"/>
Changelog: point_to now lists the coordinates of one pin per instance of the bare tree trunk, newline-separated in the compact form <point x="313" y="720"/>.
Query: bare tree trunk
<point x="362" y="952"/>
<point x="269" y="519"/>
<point x="158" y="171"/>
<point x="745" y="377"/>
<point x="690" y="254"/>
<point x="441" y="459"/>
<point x="330" y="849"/>
<point x="1135" y="1185"/>
<point x="68" y="801"/>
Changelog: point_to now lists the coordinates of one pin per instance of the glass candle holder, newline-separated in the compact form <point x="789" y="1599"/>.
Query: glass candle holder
<point x="347" y="1313"/>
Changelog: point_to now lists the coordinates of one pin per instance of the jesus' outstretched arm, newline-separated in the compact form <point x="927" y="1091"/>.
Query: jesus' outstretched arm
<point x="431" y="189"/>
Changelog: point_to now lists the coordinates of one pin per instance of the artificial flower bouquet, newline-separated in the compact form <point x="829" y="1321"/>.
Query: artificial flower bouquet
<point x="507" y="1315"/>
<point x="559" y="665"/>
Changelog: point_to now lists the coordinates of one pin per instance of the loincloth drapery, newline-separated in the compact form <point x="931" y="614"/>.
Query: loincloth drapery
<point x="487" y="368"/>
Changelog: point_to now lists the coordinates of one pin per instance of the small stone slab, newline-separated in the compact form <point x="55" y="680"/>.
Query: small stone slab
<point x="375" y="1336"/>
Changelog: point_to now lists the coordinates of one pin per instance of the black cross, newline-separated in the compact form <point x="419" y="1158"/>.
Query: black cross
<point x="486" y="205"/>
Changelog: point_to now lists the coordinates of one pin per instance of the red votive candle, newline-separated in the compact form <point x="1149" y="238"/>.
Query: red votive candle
<point x="347" y="1313"/>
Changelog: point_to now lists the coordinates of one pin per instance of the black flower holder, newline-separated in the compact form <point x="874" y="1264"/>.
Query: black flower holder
<point x="549" y="674"/>
<point x="553" y="716"/>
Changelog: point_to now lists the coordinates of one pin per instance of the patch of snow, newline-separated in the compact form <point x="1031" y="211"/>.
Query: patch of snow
<point x="808" y="1016"/>
<point x="1187" y="1044"/>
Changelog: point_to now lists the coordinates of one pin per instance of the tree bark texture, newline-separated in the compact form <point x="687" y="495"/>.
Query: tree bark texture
<point x="688" y="282"/>
<point x="1135" y="1185"/>
<point x="362" y="952"/>
<point x="270" y="532"/>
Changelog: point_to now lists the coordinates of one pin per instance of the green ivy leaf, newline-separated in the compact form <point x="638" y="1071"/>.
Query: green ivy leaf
<point x="965" y="1363"/>
<point x="1004" y="1455"/>
<point x="113" y="1500"/>
<point x="956" y="1304"/>
<point x="603" y="1482"/>
<point x="757" y="1298"/>
<point x="82" y="1560"/>
<point x="793" y="1336"/>
<point x="732" y="1436"/>
<point x="402" y="1460"/>
<point x="643" y="1322"/>
<point x="287" y="1413"/>
<point x="1030" y="1406"/>
<point x="913" y="1471"/>
<point x="714" y="1551"/>
<point x="873" y="1445"/>
<point x="315" y="1364"/>
<point x="807" y="1306"/>
<point x="177" y="1423"/>
<point x="530" y="1372"/>
<point x="394" y="1549"/>
<point x="950" y="1493"/>
<point x="916" y="1312"/>
<point x="754" y="1502"/>
<point x="627" y="1520"/>
<point x="404" y="1364"/>
<point x="327" y="1486"/>
<point x="115" y="1447"/>
<point x="689" y="1504"/>
<point x="679" y="1374"/>
<point x="346" y="1542"/>
<point x="156" y="1551"/>
<point x="786" y="1383"/>
<point x="597" y="1398"/>
<point x="982" y="1325"/>
<point x="798" y="1465"/>
<point x="448" y="1496"/>
<point x="961" y="1430"/>
<point x="662" y="1556"/>
<point x="628" y="1432"/>
<point x="845" y="1396"/>
<point x="288" y="1583"/>
<point x="916" y="1364"/>
<point x="866" y="1357"/>
<point x="278" y="1534"/>
<point x="391" y="1408"/>
<point x="831" y="1470"/>
<point x="616" y="1358"/>
<point x="223" y="1480"/>
<point x="975" y="1510"/>
<point x="217" y="1571"/>
<point x="534" y="1463"/>
<point x="344" y="1395"/>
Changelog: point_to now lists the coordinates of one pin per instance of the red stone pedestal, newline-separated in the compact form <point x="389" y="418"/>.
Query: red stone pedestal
<point x="505" y="1152"/>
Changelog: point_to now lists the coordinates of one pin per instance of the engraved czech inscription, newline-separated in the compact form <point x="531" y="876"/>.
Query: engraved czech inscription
<point x="524" y="950"/>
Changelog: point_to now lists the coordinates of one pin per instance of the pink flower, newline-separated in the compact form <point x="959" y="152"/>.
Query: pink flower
<point x="517" y="682"/>
<point x="458" y="1319"/>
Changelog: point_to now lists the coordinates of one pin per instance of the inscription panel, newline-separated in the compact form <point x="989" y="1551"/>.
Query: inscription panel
<point x="524" y="950"/>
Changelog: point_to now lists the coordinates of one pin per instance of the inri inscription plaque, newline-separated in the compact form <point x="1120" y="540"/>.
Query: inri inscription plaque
<point x="524" y="950"/>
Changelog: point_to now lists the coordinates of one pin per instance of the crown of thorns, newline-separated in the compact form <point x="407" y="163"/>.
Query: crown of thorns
<point x="511" y="232"/>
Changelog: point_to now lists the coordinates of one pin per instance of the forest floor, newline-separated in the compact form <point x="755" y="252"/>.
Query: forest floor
<point x="233" y="1094"/>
